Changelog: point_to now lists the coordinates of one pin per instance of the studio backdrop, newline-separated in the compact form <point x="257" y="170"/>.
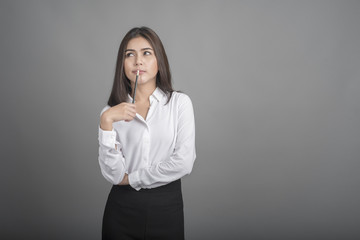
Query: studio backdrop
<point x="275" y="88"/>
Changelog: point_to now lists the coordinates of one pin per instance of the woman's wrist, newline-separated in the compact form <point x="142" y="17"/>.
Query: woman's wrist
<point x="125" y="180"/>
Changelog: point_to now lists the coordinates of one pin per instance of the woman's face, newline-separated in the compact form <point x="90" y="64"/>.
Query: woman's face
<point x="140" y="55"/>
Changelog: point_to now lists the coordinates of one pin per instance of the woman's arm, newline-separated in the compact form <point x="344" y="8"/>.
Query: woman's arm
<point x="111" y="159"/>
<point x="181" y="160"/>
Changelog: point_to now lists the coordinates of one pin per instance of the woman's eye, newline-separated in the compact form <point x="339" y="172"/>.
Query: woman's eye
<point x="147" y="53"/>
<point x="129" y="54"/>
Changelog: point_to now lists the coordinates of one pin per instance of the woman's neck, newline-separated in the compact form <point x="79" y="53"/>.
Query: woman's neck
<point x="143" y="92"/>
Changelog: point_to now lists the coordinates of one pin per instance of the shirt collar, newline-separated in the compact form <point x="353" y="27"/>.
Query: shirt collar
<point x="158" y="95"/>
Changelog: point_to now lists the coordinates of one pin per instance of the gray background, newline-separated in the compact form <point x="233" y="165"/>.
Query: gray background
<point x="275" y="87"/>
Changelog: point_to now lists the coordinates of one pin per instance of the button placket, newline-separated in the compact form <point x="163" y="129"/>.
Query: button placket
<point x="146" y="144"/>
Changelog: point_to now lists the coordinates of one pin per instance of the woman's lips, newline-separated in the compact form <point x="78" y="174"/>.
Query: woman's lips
<point x="140" y="72"/>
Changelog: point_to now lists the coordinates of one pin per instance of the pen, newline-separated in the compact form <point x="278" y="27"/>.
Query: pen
<point x="137" y="76"/>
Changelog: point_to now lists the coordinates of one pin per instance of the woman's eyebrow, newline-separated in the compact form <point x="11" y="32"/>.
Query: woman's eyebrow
<point x="143" y="49"/>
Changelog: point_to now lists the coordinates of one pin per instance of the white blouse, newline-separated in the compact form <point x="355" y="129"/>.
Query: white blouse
<point x="155" y="151"/>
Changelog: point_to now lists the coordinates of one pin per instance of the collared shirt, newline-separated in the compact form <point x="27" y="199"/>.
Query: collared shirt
<point x="155" y="151"/>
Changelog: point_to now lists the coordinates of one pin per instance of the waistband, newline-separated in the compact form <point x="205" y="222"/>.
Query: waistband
<point x="170" y="187"/>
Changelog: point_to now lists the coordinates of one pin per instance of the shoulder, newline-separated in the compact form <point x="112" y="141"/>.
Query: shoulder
<point x="181" y="101"/>
<point x="180" y="98"/>
<point x="104" y="109"/>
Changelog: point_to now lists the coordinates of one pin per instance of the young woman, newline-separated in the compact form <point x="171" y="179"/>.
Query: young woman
<point x="146" y="146"/>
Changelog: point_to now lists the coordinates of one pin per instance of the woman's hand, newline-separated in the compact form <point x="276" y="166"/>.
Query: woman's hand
<point x="125" y="180"/>
<point x="123" y="111"/>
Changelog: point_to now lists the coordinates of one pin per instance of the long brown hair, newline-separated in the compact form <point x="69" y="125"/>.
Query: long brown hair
<point x="121" y="86"/>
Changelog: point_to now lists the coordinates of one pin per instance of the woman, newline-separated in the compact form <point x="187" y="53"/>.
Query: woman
<point x="146" y="146"/>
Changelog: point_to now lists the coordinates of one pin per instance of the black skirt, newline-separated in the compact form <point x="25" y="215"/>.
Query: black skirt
<point x="146" y="214"/>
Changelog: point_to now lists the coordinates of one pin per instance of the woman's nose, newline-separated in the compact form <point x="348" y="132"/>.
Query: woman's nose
<point x="138" y="60"/>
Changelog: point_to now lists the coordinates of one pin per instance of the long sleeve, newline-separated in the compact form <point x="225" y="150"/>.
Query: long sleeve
<point x="111" y="159"/>
<point x="181" y="161"/>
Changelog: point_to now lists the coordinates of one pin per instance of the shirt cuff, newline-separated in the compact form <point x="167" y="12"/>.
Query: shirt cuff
<point x="134" y="180"/>
<point x="108" y="139"/>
